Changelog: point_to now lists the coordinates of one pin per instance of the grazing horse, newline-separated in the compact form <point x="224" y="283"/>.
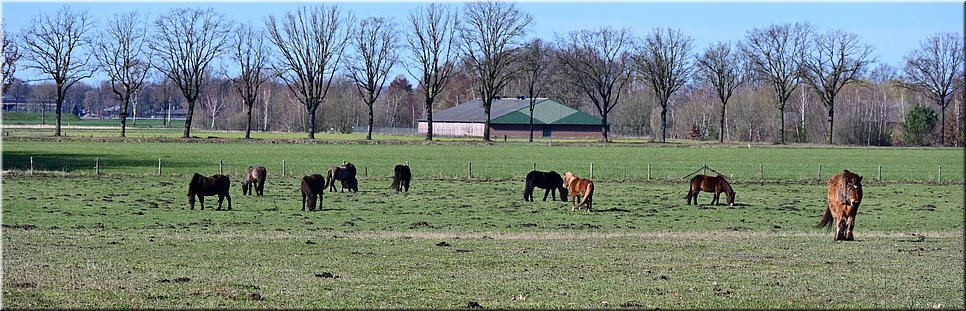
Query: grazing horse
<point x="401" y="177"/>
<point x="343" y="173"/>
<point x="716" y="184"/>
<point x="544" y="180"/>
<point x="255" y="178"/>
<point x="313" y="187"/>
<point x="844" y="196"/>
<point x="202" y="186"/>
<point x="579" y="187"/>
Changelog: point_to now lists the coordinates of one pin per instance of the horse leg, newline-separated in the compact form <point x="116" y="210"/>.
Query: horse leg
<point x="201" y="199"/>
<point x="573" y="201"/>
<point x="406" y="185"/>
<point x="850" y="223"/>
<point x="839" y="228"/>
<point x="303" y="202"/>
<point x="228" y="195"/>
<point x="716" y="199"/>
<point x="547" y="192"/>
<point x="220" y="199"/>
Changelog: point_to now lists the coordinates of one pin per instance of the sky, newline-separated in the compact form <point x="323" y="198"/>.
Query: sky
<point x="892" y="28"/>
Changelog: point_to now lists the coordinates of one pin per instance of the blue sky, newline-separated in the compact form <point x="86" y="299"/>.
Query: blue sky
<point x="892" y="28"/>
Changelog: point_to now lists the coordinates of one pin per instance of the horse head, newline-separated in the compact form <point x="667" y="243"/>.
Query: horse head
<point x="567" y="178"/>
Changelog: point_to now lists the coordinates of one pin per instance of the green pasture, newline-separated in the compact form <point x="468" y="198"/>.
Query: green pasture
<point x="130" y="241"/>
<point x="461" y="160"/>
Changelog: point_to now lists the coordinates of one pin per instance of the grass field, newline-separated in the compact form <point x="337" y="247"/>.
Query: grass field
<point x="126" y="239"/>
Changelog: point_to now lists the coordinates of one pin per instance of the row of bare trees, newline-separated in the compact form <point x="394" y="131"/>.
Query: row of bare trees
<point x="484" y="46"/>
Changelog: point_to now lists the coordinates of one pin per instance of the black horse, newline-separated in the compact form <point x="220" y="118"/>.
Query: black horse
<point x="545" y="180"/>
<point x="345" y="174"/>
<point x="201" y="186"/>
<point x="401" y="177"/>
<point x="313" y="187"/>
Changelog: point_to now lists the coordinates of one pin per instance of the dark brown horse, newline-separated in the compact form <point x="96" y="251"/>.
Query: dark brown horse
<point x="401" y="177"/>
<point x="345" y="173"/>
<point x="313" y="187"/>
<point x="255" y="178"/>
<point x="716" y="184"/>
<point x="844" y="196"/>
<point x="202" y="186"/>
<point x="545" y="180"/>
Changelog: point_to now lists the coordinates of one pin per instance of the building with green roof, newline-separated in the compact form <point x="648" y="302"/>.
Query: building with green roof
<point x="511" y="117"/>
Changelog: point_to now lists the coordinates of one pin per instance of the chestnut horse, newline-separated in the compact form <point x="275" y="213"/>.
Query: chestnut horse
<point x="202" y="186"/>
<point x="716" y="184"/>
<point x="401" y="177"/>
<point x="255" y="178"/>
<point x="551" y="181"/>
<point x="579" y="187"/>
<point x="844" y="196"/>
<point x="313" y="187"/>
<point x="346" y="174"/>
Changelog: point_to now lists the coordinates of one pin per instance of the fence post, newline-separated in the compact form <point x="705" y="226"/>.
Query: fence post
<point x="469" y="169"/>
<point x="159" y="166"/>
<point x="879" y="176"/>
<point x="407" y="163"/>
<point x="820" y="171"/>
<point x="283" y="168"/>
<point x="366" y="168"/>
<point x="939" y="178"/>
<point x="97" y="166"/>
<point x="534" y="166"/>
<point x="221" y="167"/>
<point x="591" y="170"/>
<point x="31" y="165"/>
<point x="648" y="171"/>
<point x="705" y="166"/>
<point x="761" y="171"/>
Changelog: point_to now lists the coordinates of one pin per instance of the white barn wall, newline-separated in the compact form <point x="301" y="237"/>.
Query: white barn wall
<point x="453" y="129"/>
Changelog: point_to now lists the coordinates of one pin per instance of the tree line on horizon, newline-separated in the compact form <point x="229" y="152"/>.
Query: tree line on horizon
<point x="321" y="65"/>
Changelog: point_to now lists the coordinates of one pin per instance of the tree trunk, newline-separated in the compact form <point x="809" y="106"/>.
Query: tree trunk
<point x="429" y="119"/>
<point x="187" y="119"/>
<point x="664" y="122"/>
<point x="831" y="123"/>
<point x="721" y="130"/>
<point x="942" y="131"/>
<point x="311" y="109"/>
<point x="486" y="120"/>
<point x="59" y="103"/>
<point x="248" y="128"/>
<point x="369" y="133"/>
<point x="124" y="104"/>
<point x="603" y="127"/>
<point x="781" y="126"/>
<point x="531" y="121"/>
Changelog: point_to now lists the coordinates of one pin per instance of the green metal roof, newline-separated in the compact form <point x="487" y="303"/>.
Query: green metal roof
<point x="547" y="111"/>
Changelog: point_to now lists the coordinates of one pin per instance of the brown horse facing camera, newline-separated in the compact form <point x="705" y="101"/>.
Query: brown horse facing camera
<point x="202" y="186"/>
<point x="579" y="187"/>
<point x="716" y="184"/>
<point x="254" y="180"/>
<point x="844" y="196"/>
<point x="313" y="189"/>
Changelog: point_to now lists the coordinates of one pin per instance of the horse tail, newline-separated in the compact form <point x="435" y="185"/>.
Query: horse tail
<point x="587" y="193"/>
<point x="826" y="219"/>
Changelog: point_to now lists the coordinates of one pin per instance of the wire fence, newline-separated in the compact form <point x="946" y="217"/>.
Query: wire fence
<point x="495" y="169"/>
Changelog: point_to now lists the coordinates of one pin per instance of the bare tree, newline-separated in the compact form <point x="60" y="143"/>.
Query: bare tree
<point x="251" y="55"/>
<point x="775" y="53"/>
<point x="662" y="61"/>
<point x="56" y="45"/>
<point x="536" y="72"/>
<point x="120" y="52"/>
<point x="597" y="62"/>
<point x="835" y="59"/>
<point x="933" y="68"/>
<point x="186" y="42"/>
<point x="724" y="69"/>
<point x="490" y="33"/>
<point x="431" y="41"/>
<point x="11" y="54"/>
<point x="310" y="40"/>
<point x="375" y="54"/>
